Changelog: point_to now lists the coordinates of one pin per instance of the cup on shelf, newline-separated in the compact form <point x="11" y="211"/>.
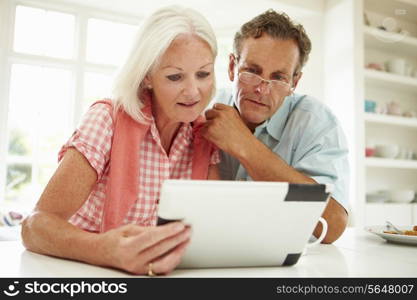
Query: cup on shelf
<point x="375" y="66"/>
<point x="387" y="151"/>
<point x="393" y="108"/>
<point x="396" y="66"/>
<point x="381" y="109"/>
<point x="408" y="70"/>
<point x="370" y="106"/>
<point x="369" y="152"/>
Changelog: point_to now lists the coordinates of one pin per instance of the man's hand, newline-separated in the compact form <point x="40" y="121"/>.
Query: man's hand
<point x="226" y="130"/>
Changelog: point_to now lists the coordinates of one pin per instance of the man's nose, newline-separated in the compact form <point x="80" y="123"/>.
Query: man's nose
<point x="263" y="87"/>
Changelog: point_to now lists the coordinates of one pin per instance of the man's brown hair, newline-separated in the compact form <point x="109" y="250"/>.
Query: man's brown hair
<point x="278" y="26"/>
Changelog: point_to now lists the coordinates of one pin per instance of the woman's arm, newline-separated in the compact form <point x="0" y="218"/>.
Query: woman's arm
<point x="47" y="231"/>
<point x="130" y="247"/>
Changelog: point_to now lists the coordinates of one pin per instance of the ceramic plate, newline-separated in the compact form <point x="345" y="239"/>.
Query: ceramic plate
<point x="394" y="238"/>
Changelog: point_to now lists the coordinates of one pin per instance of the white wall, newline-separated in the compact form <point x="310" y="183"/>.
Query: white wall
<point x="343" y="92"/>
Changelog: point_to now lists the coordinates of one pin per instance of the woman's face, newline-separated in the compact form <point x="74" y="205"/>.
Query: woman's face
<point x="183" y="81"/>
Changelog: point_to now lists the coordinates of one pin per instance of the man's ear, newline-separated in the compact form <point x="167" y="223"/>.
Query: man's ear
<point x="232" y="65"/>
<point x="297" y="77"/>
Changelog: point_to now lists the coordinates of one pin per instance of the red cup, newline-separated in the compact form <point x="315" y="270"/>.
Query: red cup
<point x="369" y="152"/>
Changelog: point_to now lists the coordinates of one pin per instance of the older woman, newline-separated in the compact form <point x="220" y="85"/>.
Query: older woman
<point x="100" y="205"/>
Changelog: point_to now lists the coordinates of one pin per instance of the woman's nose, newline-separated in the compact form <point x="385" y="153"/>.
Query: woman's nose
<point x="191" y="88"/>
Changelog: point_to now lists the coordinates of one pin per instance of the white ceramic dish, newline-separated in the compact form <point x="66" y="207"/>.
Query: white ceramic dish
<point x="402" y="196"/>
<point x="393" y="238"/>
<point x="387" y="151"/>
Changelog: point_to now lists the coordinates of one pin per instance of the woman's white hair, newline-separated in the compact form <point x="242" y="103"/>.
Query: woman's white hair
<point x="153" y="39"/>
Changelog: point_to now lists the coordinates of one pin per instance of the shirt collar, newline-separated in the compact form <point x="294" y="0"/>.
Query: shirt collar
<point x="276" y="123"/>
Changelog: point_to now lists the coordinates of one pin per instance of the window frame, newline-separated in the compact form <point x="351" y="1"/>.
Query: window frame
<point x="77" y="64"/>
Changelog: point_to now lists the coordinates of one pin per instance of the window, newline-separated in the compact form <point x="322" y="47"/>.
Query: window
<point x="103" y="38"/>
<point x="44" y="32"/>
<point x="224" y="48"/>
<point x="50" y="86"/>
<point x="96" y="86"/>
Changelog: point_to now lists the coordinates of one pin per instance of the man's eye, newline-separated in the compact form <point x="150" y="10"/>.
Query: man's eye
<point x="203" y="74"/>
<point x="174" y="77"/>
<point x="251" y="70"/>
<point x="280" y="78"/>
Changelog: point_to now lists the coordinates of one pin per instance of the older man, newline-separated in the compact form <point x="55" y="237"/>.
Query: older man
<point x="268" y="133"/>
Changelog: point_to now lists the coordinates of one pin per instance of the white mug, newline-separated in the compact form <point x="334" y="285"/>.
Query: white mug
<point x="396" y="66"/>
<point x="322" y="235"/>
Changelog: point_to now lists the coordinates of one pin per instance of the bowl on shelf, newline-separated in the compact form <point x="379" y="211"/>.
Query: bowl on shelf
<point x="387" y="151"/>
<point x="402" y="196"/>
<point x="378" y="197"/>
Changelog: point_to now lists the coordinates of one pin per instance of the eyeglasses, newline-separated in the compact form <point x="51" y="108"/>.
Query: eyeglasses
<point x="253" y="79"/>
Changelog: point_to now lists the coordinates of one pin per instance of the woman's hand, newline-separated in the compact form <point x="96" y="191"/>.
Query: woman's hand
<point x="132" y="248"/>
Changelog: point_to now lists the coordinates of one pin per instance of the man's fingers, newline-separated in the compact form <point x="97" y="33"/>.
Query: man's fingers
<point x="211" y="114"/>
<point x="220" y="106"/>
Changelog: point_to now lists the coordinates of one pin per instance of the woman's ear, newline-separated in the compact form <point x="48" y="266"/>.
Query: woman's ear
<point x="146" y="83"/>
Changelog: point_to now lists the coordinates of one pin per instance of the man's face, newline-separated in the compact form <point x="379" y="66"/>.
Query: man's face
<point x="270" y="59"/>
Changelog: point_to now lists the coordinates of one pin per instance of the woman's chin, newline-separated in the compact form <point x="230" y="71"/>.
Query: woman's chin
<point x="189" y="115"/>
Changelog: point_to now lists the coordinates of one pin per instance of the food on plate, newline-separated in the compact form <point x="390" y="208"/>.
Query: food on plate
<point x="405" y="232"/>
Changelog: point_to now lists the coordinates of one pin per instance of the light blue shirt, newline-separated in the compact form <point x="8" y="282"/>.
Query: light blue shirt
<point x="306" y="134"/>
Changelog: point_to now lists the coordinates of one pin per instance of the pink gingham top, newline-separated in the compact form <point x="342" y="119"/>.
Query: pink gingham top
<point x="93" y="139"/>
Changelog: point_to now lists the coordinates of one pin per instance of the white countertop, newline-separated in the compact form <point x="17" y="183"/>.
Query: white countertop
<point x="356" y="254"/>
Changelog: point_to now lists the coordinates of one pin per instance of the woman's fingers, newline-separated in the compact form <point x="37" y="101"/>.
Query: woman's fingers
<point x="168" y="262"/>
<point x="131" y="230"/>
<point x="164" y="256"/>
<point x="165" y="246"/>
<point x="137" y="246"/>
<point x="153" y="235"/>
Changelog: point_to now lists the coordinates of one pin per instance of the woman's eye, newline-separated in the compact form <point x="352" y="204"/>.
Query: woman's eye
<point x="203" y="74"/>
<point x="174" y="77"/>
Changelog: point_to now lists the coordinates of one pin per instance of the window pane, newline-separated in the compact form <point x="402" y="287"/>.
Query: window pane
<point x="18" y="181"/>
<point x="96" y="86"/>
<point x="224" y="46"/>
<point x="45" y="173"/>
<point x="43" y="32"/>
<point x="108" y="42"/>
<point x="40" y="118"/>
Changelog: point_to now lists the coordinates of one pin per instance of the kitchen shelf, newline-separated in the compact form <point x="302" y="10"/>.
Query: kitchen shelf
<point x="391" y="120"/>
<point x="391" y="81"/>
<point x="401" y="44"/>
<point x="390" y="163"/>
<point x="405" y="10"/>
